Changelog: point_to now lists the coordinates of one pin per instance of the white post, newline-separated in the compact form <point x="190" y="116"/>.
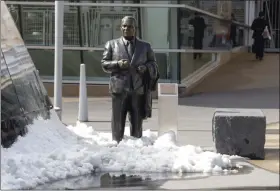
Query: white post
<point x="58" y="56"/>
<point x="168" y="107"/>
<point x="249" y="18"/>
<point x="83" y="104"/>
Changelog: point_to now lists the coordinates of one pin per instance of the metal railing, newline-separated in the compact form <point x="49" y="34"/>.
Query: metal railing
<point x="87" y="31"/>
<point x="185" y="6"/>
<point x="94" y="20"/>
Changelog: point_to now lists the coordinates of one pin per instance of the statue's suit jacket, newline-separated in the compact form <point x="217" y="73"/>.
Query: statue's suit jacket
<point x="121" y="79"/>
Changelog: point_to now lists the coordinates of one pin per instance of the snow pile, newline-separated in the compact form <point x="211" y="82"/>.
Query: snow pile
<point x="51" y="152"/>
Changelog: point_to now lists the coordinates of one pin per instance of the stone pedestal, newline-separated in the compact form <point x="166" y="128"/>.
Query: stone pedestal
<point x="239" y="132"/>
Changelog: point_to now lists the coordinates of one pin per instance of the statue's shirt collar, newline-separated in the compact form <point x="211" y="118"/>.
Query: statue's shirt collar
<point x="126" y="42"/>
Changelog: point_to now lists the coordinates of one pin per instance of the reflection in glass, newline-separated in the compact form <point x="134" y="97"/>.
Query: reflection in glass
<point x="127" y="180"/>
<point x="34" y="28"/>
<point x="23" y="98"/>
<point x="107" y="180"/>
<point x="190" y="65"/>
<point x="71" y="63"/>
<point x="100" y="24"/>
<point x="93" y="64"/>
<point x="155" y="26"/>
<point x="71" y="27"/>
<point x="216" y="34"/>
<point x="44" y="62"/>
<point x="92" y="60"/>
<point x="162" y="61"/>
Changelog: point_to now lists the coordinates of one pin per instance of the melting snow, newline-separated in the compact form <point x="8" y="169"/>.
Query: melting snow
<point x="51" y="152"/>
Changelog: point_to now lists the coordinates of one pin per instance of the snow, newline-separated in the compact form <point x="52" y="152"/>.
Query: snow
<point x="50" y="152"/>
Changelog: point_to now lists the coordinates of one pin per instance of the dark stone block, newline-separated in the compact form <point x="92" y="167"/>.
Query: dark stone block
<point x="239" y="132"/>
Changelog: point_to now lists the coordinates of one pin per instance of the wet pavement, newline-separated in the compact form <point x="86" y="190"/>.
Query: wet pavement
<point x="130" y="180"/>
<point x="247" y="177"/>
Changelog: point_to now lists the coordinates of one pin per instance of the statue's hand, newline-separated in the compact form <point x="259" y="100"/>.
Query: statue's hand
<point x="123" y="63"/>
<point x="141" y="69"/>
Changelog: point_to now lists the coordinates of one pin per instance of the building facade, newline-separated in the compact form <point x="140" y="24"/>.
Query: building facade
<point x="87" y="28"/>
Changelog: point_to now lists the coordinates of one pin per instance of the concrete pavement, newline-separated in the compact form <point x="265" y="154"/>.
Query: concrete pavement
<point x="195" y="127"/>
<point x="242" y="72"/>
<point x="194" y="113"/>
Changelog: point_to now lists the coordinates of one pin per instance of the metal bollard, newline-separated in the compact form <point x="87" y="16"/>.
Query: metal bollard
<point x="83" y="103"/>
<point x="58" y="55"/>
<point x="167" y="107"/>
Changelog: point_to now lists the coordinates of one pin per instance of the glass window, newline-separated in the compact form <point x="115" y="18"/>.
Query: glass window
<point x="155" y="26"/>
<point x="92" y="61"/>
<point x="34" y="26"/>
<point x="71" y="63"/>
<point x="101" y="25"/>
<point x="190" y="65"/>
<point x="162" y="62"/>
<point x="44" y="61"/>
<point x="202" y="32"/>
<point x="71" y="28"/>
<point x="94" y="69"/>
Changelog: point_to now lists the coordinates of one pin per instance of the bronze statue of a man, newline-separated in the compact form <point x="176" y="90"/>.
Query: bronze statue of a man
<point x="134" y="74"/>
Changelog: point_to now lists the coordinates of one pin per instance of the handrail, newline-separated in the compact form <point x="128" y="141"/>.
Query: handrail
<point x="130" y="5"/>
<point x="156" y="50"/>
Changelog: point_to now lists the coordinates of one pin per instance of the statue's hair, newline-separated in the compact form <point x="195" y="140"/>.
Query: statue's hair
<point x="129" y="18"/>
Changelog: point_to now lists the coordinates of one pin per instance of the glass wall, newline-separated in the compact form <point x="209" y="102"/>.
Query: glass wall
<point x="190" y="65"/>
<point x="217" y="34"/>
<point x="167" y="29"/>
<point x="91" y="27"/>
<point x="43" y="59"/>
<point x="157" y="20"/>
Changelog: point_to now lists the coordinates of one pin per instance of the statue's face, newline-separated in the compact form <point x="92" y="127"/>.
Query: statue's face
<point x="128" y="28"/>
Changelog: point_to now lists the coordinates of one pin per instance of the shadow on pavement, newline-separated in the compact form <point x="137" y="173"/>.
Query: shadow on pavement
<point x="266" y="98"/>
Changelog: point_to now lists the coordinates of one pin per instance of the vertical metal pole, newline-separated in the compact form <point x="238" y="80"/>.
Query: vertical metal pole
<point x="80" y="32"/>
<point x="58" y="56"/>
<point x="269" y="22"/>
<point x="249" y="18"/>
<point x="167" y="107"/>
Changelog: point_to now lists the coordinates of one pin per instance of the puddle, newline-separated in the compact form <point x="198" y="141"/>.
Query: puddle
<point x="126" y="180"/>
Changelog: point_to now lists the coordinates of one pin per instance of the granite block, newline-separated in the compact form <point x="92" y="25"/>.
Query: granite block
<point x="239" y="132"/>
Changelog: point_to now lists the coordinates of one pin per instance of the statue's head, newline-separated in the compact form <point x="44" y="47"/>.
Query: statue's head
<point x="128" y="27"/>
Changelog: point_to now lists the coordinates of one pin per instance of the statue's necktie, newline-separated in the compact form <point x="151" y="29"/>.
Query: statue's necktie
<point x="130" y="49"/>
